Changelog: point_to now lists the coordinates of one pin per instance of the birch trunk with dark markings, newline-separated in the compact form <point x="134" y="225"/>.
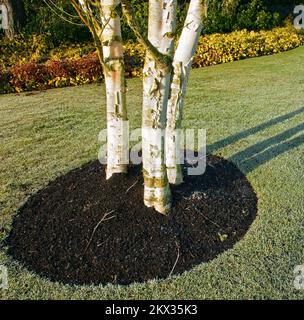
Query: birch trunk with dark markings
<point x="156" y="86"/>
<point x="181" y="65"/>
<point x="117" y="125"/>
<point x="103" y="21"/>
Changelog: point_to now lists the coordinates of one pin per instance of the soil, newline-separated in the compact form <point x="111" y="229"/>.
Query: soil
<point x="83" y="229"/>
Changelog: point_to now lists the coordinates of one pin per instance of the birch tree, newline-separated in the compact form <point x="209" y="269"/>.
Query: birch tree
<point x="156" y="86"/>
<point x="181" y="65"/>
<point x="102" y="19"/>
<point x="165" y="77"/>
<point x="164" y="84"/>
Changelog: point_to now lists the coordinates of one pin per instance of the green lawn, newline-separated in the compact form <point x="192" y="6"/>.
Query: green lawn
<point x="253" y="111"/>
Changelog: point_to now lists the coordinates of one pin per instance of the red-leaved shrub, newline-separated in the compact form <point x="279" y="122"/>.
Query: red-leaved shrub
<point x="29" y="76"/>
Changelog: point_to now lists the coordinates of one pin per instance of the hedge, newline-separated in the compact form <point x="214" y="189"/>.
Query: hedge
<point x="77" y="65"/>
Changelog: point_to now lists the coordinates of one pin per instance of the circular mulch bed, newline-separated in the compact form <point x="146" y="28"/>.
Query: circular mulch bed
<point x="82" y="229"/>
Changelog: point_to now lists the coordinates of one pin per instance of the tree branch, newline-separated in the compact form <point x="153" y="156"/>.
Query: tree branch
<point x="163" y="60"/>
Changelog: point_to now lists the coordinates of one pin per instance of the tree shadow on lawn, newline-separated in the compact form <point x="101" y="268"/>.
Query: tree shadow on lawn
<point x="258" y="154"/>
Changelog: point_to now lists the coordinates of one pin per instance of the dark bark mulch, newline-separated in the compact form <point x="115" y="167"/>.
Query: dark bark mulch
<point x="82" y="229"/>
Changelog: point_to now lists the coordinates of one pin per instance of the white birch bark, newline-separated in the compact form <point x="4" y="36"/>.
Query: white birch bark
<point x="117" y="131"/>
<point x="182" y="64"/>
<point x="156" y="84"/>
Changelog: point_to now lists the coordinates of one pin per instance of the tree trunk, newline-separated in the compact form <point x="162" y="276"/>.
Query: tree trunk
<point x="159" y="134"/>
<point x="16" y="17"/>
<point x="156" y="84"/>
<point x="117" y="121"/>
<point x="182" y="64"/>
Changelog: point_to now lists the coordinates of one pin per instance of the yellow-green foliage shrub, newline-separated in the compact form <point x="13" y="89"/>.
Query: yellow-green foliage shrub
<point x="23" y="49"/>
<point x="221" y="48"/>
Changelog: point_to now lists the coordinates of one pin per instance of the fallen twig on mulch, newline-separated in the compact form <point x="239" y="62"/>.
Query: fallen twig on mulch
<point x="103" y="219"/>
